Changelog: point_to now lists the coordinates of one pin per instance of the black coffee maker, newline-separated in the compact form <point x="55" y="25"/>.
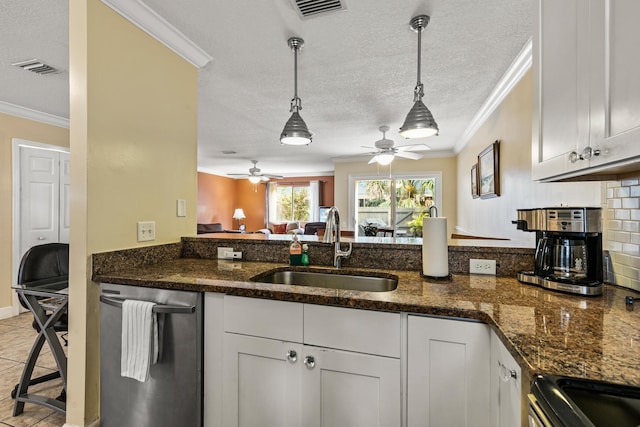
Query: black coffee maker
<point x="568" y="253"/>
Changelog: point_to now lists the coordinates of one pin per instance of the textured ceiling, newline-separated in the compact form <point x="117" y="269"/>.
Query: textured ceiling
<point x="356" y="72"/>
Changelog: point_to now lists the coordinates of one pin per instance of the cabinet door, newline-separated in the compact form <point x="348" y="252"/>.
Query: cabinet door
<point x="506" y="386"/>
<point x="561" y="87"/>
<point x="615" y="67"/>
<point x="349" y="389"/>
<point x="261" y="383"/>
<point x="448" y="373"/>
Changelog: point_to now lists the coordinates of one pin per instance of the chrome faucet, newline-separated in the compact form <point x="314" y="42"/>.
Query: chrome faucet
<point x="332" y="235"/>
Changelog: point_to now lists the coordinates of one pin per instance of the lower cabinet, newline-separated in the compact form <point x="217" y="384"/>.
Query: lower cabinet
<point x="284" y="364"/>
<point x="448" y="373"/>
<point x="271" y="383"/>
<point x="506" y="386"/>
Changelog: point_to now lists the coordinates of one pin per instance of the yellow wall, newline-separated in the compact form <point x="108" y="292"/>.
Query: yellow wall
<point x="133" y="154"/>
<point x="446" y="165"/>
<point x="15" y="127"/>
<point x="511" y="124"/>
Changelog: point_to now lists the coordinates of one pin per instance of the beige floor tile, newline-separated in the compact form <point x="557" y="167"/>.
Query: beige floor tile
<point x="54" y="420"/>
<point x="7" y="364"/>
<point x="22" y="321"/>
<point x="32" y="414"/>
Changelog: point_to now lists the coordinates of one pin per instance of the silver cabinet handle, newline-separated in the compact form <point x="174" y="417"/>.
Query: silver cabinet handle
<point x="310" y="362"/>
<point x="160" y="308"/>
<point x="292" y="356"/>
<point x="42" y="238"/>
<point x="573" y="157"/>
<point x="589" y="152"/>
<point x="506" y="374"/>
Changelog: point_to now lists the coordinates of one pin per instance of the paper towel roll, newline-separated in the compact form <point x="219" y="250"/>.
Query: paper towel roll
<point x="435" y="251"/>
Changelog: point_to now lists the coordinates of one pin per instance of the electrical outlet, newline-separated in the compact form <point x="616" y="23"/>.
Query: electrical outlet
<point x="146" y="231"/>
<point x="482" y="266"/>
<point x="225" y="253"/>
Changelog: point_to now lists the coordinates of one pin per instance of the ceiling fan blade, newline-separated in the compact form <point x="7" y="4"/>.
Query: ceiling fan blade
<point x="413" y="147"/>
<point x="268" y="175"/>
<point x="239" y="174"/>
<point x="368" y="146"/>
<point x="373" y="159"/>
<point x="409" y="155"/>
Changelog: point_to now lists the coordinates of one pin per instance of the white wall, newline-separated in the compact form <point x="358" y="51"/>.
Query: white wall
<point x="511" y="124"/>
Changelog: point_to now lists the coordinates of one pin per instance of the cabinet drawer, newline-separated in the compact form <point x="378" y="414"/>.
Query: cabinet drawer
<point x="280" y="320"/>
<point x="365" y="331"/>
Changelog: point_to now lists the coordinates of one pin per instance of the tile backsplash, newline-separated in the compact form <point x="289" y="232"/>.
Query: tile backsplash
<point x="621" y="231"/>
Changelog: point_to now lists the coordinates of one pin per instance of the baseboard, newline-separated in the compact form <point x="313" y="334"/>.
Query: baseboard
<point x="6" y="312"/>
<point x="94" y="423"/>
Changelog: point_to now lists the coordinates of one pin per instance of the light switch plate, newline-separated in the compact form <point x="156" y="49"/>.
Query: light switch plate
<point x="181" y="208"/>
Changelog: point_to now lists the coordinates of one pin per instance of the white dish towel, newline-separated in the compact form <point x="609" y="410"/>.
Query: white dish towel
<point x="139" y="339"/>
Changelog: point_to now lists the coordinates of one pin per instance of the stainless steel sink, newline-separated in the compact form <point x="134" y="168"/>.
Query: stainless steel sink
<point x="580" y="402"/>
<point x="330" y="279"/>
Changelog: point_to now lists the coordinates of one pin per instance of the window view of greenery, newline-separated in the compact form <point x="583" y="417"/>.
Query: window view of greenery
<point x="292" y="203"/>
<point x="377" y="210"/>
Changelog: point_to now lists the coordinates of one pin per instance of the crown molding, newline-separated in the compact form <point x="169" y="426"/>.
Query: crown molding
<point x="160" y="29"/>
<point x="38" y="116"/>
<point x="511" y="77"/>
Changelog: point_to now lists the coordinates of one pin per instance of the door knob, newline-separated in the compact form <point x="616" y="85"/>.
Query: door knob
<point x="310" y="362"/>
<point x="292" y="356"/>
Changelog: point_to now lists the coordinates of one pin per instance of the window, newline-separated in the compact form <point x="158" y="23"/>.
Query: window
<point x="293" y="202"/>
<point x="392" y="204"/>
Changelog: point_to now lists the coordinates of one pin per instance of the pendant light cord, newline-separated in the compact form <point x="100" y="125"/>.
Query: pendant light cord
<point x="296" y="103"/>
<point x="418" y="92"/>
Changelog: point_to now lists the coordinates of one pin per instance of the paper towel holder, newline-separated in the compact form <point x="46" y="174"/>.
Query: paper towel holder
<point x="433" y="208"/>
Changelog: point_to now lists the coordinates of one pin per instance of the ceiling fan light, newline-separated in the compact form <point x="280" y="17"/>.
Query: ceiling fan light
<point x="295" y="131"/>
<point x="255" y="179"/>
<point x="384" y="158"/>
<point x="419" y="123"/>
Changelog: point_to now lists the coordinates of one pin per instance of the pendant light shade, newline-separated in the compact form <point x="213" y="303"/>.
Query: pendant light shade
<point x="419" y="123"/>
<point x="295" y="131"/>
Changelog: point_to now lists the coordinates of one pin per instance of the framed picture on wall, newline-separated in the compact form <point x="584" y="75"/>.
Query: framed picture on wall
<point x="474" y="181"/>
<point x="489" y="171"/>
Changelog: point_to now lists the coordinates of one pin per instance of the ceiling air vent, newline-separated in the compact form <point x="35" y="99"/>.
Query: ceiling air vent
<point x="36" y="66"/>
<point x="312" y="8"/>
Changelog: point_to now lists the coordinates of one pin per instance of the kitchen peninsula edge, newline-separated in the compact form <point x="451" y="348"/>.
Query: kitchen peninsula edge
<point x="546" y="332"/>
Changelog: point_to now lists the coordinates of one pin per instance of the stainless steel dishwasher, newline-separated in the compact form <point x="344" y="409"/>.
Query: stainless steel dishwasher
<point x="172" y="396"/>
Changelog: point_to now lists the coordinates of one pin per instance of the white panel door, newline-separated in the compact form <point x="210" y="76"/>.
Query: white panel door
<point x="65" y="186"/>
<point x="261" y="383"/>
<point x="349" y="389"/>
<point x="39" y="197"/>
<point x="448" y="373"/>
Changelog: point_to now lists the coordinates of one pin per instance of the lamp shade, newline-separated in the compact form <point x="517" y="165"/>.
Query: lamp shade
<point x="254" y="180"/>
<point x="239" y="214"/>
<point x="419" y="122"/>
<point x="384" y="158"/>
<point x="295" y="131"/>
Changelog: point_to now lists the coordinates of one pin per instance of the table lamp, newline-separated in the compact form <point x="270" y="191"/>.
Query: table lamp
<point x="239" y="214"/>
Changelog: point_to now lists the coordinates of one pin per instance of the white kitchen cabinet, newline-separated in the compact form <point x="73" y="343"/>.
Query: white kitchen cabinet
<point x="561" y="87"/>
<point x="261" y="382"/>
<point x="586" y="91"/>
<point x="268" y="381"/>
<point x="506" y="386"/>
<point x="615" y="86"/>
<point x="448" y="373"/>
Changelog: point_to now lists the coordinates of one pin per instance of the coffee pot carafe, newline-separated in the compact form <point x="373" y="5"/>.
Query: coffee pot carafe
<point x="570" y="258"/>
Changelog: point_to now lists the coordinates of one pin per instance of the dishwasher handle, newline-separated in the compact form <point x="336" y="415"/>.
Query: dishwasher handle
<point x="160" y="308"/>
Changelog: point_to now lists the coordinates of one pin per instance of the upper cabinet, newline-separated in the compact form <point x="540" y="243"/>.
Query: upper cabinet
<point x="587" y="96"/>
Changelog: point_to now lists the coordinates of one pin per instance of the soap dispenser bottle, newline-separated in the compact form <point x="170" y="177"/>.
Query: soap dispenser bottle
<point x="295" y="252"/>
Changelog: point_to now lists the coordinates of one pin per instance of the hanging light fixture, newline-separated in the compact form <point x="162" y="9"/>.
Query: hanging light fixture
<point x="419" y="122"/>
<point x="295" y="132"/>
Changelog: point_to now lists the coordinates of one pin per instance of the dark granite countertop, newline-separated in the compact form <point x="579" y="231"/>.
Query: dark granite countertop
<point x="547" y="332"/>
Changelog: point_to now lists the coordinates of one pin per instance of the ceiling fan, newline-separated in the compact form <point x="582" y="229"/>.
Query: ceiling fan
<point x="386" y="151"/>
<point x="254" y="174"/>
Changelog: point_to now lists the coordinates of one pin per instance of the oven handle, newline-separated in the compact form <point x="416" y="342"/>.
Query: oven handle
<point x="536" y="416"/>
<point x="160" y="308"/>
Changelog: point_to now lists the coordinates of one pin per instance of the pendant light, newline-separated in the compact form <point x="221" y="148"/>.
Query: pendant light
<point x="419" y="122"/>
<point x="295" y="131"/>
